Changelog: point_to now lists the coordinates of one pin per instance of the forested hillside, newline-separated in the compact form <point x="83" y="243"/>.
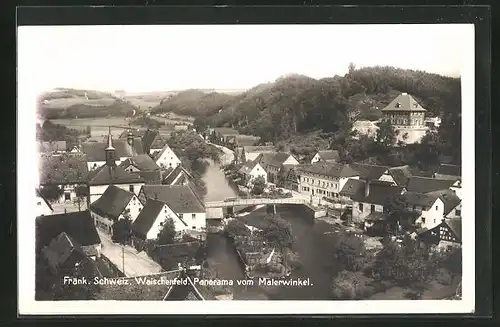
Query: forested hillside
<point x="297" y="104"/>
<point x="194" y="103"/>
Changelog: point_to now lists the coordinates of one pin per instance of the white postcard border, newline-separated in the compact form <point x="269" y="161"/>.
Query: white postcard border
<point x="27" y="177"/>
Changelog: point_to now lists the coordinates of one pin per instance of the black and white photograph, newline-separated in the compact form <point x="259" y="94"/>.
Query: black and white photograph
<point x="256" y="168"/>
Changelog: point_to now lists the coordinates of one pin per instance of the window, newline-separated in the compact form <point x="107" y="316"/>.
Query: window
<point x="194" y="227"/>
<point x="323" y="184"/>
<point x="437" y="207"/>
<point x="372" y="208"/>
<point x="140" y="209"/>
<point x="360" y="207"/>
<point x="181" y="215"/>
<point x="458" y="212"/>
<point x="39" y="203"/>
<point x="131" y="188"/>
<point x="67" y="196"/>
<point x="193" y="216"/>
<point x="423" y="220"/>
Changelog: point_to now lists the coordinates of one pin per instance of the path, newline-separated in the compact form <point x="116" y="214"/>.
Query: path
<point x="136" y="264"/>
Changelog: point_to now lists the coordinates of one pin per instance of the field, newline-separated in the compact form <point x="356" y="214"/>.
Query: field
<point x="99" y="126"/>
<point x="63" y="103"/>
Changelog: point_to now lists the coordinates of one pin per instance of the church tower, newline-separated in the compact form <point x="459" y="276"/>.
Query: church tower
<point x="110" y="151"/>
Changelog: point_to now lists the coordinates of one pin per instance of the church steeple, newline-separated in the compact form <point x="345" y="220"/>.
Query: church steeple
<point x="110" y="151"/>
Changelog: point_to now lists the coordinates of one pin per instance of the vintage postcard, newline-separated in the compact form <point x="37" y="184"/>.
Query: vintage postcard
<point x="259" y="169"/>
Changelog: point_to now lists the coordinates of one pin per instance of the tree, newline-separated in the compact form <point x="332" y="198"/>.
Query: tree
<point x="405" y="264"/>
<point x="278" y="232"/>
<point x="351" y="254"/>
<point x="236" y="228"/>
<point x="397" y="210"/>
<point x="82" y="193"/>
<point x="344" y="286"/>
<point x="51" y="192"/>
<point x="259" y="184"/>
<point x="122" y="228"/>
<point x="167" y="232"/>
<point x="386" y="135"/>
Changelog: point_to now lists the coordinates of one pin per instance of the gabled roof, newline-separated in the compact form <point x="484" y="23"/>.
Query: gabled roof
<point x="44" y="199"/>
<point x="404" y="102"/>
<point x="95" y="151"/>
<point x="160" y="153"/>
<point x="63" y="169"/>
<point x="169" y="178"/>
<point x="146" y="218"/>
<point x="112" y="202"/>
<point x="248" y="167"/>
<point x="78" y="225"/>
<point x="401" y="175"/>
<point x="419" y="199"/>
<point x="369" y="172"/>
<point x="286" y="168"/>
<point x="52" y="146"/>
<point x="265" y="158"/>
<point x="148" y="138"/>
<point x="453" y="170"/>
<point x="455" y="226"/>
<point x="106" y="175"/>
<point x="151" y="177"/>
<point x="351" y="187"/>
<point x="449" y="198"/>
<point x="179" y="198"/>
<point x="58" y="251"/>
<point x="327" y="155"/>
<point x="329" y="169"/>
<point x="379" y="193"/>
<point x="279" y="158"/>
<point x="377" y="216"/>
<point x="142" y="162"/>
<point x="226" y="131"/>
<point x="426" y="184"/>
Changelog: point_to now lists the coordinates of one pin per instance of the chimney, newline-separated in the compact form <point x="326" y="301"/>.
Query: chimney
<point x="367" y="188"/>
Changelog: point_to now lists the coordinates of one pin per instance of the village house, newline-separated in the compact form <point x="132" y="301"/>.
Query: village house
<point x="273" y="162"/>
<point x="372" y="197"/>
<point x="176" y="176"/>
<point x="446" y="236"/>
<point x="166" y="158"/>
<point x="450" y="172"/>
<point x="182" y="200"/>
<point x="373" y="172"/>
<point x="43" y="207"/>
<point x="407" y="117"/>
<point x="428" y="184"/>
<point x="52" y="147"/>
<point x="62" y="254"/>
<point x="325" y="179"/>
<point x="221" y="135"/>
<point x="141" y="162"/>
<point x="68" y="172"/>
<point x="96" y="151"/>
<point x="326" y="156"/>
<point x="78" y="226"/>
<point x="250" y="171"/>
<point x="399" y="175"/>
<point x="452" y="203"/>
<point x="429" y="206"/>
<point x="111" y="174"/>
<point x="250" y="153"/>
<point x="150" y="220"/>
<point x="153" y="142"/>
<point x="113" y="205"/>
<point x="288" y="175"/>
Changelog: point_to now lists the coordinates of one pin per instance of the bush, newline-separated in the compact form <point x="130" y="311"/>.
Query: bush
<point x="236" y="228"/>
<point x="444" y="277"/>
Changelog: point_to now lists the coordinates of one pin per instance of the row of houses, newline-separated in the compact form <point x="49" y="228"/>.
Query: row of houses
<point x="366" y="191"/>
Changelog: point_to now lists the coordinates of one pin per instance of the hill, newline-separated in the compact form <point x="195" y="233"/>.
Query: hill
<point x="72" y="103"/>
<point x="193" y="103"/>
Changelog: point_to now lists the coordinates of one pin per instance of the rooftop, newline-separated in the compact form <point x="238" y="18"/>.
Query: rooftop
<point x="106" y="175"/>
<point x="142" y="162"/>
<point x="146" y="218"/>
<point x="369" y="172"/>
<point x="329" y="169"/>
<point x="179" y="198"/>
<point x="112" y="202"/>
<point x="427" y="184"/>
<point x="452" y="170"/>
<point x="95" y="151"/>
<point x="404" y="102"/>
<point x="329" y="155"/>
<point x="379" y="193"/>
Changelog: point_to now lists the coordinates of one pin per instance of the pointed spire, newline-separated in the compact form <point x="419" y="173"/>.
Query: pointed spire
<point x="110" y="141"/>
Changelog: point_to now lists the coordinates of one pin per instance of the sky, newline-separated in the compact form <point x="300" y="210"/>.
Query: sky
<point x="176" y="57"/>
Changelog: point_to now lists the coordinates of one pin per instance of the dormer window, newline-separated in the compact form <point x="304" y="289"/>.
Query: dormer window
<point x="398" y="105"/>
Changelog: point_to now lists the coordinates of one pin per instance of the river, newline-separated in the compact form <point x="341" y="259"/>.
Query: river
<point x="316" y="262"/>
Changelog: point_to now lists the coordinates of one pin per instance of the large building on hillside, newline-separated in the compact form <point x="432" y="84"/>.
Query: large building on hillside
<point x="407" y="116"/>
